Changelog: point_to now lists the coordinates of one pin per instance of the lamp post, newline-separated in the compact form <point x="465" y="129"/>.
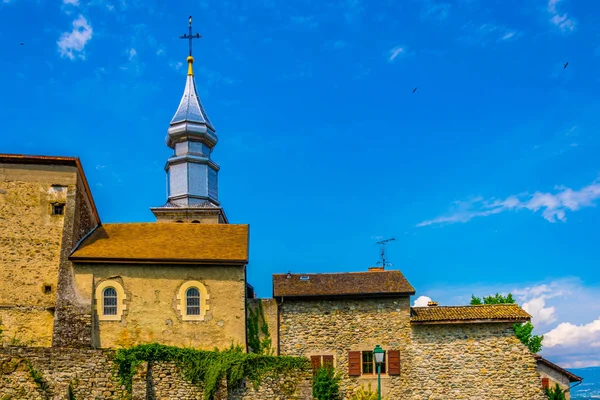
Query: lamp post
<point x="379" y="353"/>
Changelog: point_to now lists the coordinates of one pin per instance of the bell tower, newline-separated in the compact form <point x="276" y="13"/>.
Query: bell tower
<point x="192" y="176"/>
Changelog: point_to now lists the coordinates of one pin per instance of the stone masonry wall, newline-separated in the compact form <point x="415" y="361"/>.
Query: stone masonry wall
<point x="30" y="241"/>
<point x="462" y="361"/>
<point x="269" y="312"/>
<point x="91" y="374"/>
<point x="73" y="325"/>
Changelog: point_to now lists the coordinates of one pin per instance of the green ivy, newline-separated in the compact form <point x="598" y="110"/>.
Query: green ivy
<point x="207" y="368"/>
<point x="257" y="324"/>
<point x="38" y="378"/>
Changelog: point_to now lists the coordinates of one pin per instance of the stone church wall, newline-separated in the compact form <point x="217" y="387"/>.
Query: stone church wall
<point x="151" y="306"/>
<point x="463" y="361"/>
<point x="91" y="374"/>
<point x="30" y="245"/>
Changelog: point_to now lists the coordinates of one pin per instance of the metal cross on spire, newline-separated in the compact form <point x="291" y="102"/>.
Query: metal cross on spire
<point x="189" y="35"/>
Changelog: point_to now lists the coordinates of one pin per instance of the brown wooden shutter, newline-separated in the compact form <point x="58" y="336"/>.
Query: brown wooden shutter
<point x="316" y="362"/>
<point x="545" y="383"/>
<point x="354" y="363"/>
<point x="328" y="361"/>
<point x="393" y="366"/>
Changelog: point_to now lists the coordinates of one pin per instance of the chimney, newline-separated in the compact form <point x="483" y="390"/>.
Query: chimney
<point x="432" y="304"/>
<point x="376" y="269"/>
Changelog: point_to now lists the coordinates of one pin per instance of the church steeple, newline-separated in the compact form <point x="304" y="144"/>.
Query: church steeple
<point x="192" y="176"/>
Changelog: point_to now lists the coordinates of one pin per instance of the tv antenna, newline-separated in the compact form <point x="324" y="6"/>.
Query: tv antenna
<point x="382" y="243"/>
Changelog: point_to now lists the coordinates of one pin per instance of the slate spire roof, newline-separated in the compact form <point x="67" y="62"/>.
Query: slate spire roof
<point x="190" y="108"/>
<point x="190" y="120"/>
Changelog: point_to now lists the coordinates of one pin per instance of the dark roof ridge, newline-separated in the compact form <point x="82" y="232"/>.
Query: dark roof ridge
<point x="470" y="305"/>
<point x="339" y="273"/>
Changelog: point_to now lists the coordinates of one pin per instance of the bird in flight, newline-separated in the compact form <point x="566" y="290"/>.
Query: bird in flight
<point x="414" y="90"/>
<point x="565" y="66"/>
<point x="21" y="44"/>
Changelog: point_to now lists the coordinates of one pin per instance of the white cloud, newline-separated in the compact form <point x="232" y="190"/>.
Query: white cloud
<point x="568" y="335"/>
<point x="533" y="300"/>
<point x="438" y="11"/>
<point x="422" y="301"/>
<point x="72" y="2"/>
<point x="160" y="52"/>
<point x="562" y="21"/>
<point x="132" y="54"/>
<point x="553" y="205"/>
<point x="176" y="65"/>
<point x="71" y="44"/>
<point x="396" y="52"/>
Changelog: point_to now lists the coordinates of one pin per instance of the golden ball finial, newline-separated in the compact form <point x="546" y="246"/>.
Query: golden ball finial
<point x="190" y="61"/>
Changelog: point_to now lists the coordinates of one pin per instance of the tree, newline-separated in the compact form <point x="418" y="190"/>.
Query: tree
<point x="326" y="384"/>
<point x="556" y="393"/>
<point x="524" y="332"/>
<point x="497" y="299"/>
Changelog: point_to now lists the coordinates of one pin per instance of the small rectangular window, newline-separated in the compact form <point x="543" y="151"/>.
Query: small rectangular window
<point x="47" y="289"/>
<point x="58" y="209"/>
<point x="369" y="366"/>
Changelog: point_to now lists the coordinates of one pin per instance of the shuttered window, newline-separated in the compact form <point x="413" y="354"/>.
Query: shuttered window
<point x="315" y="362"/>
<point x="545" y="383"/>
<point x="321" y="361"/>
<point x="393" y="358"/>
<point x="354" y="361"/>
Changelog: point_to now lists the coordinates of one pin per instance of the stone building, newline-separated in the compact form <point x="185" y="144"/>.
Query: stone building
<point x="70" y="281"/>
<point x="73" y="289"/>
<point x="462" y="352"/>
<point x="553" y="374"/>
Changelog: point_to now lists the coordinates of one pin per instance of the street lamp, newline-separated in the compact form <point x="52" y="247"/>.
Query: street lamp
<point x="379" y="353"/>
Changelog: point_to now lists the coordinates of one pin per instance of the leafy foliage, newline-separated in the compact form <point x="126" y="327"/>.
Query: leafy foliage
<point x="257" y="324"/>
<point x="496" y="299"/>
<point x="365" y="394"/>
<point x="326" y="384"/>
<point x="37" y="377"/>
<point x="207" y="367"/>
<point x="523" y="331"/>
<point x="556" y="393"/>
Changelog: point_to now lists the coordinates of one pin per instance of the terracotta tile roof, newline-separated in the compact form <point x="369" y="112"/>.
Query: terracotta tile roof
<point x="165" y="242"/>
<point x="465" y="314"/>
<point x="384" y="283"/>
<point x="572" y="377"/>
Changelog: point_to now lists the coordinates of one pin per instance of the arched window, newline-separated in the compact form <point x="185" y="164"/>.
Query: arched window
<point x="192" y="296"/>
<point x="195" y="221"/>
<point x="109" y="298"/>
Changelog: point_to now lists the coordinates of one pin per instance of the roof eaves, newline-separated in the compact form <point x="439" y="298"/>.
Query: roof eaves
<point x="112" y="260"/>
<point x="572" y="377"/>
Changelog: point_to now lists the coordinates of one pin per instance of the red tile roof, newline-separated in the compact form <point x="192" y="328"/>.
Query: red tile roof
<point x="383" y="283"/>
<point x="465" y="314"/>
<point x="165" y="243"/>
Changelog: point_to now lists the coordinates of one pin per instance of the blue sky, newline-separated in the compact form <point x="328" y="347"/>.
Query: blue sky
<point x="488" y="175"/>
